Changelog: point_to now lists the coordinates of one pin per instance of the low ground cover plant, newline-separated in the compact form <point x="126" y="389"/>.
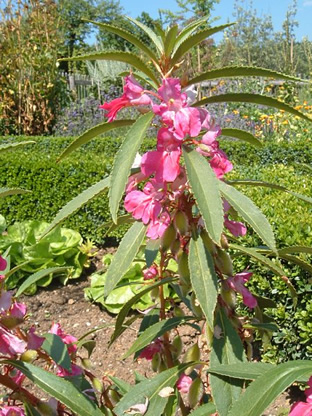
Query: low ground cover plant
<point x="186" y="210"/>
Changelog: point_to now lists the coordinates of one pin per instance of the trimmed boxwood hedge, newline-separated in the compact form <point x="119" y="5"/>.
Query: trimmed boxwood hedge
<point x="35" y="167"/>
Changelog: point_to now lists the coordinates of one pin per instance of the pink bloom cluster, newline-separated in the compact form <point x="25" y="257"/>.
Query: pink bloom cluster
<point x="303" y="408"/>
<point x="237" y="283"/>
<point x="184" y="383"/>
<point x="166" y="179"/>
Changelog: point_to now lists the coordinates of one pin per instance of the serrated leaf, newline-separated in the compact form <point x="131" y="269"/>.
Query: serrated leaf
<point x="155" y="331"/>
<point x="204" y="279"/>
<point x="170" y="39"/>
<point x="120" y="56"/>
<point x="205" y="188"/>
<point x="187" y="31"/>
<point x="244" y="371"/>
<point x="128" y="36"/>
<point x="293" y="259"/>
<point x="57" y="350"/>
<point x="13" y="191"/>
<point x="77" y="202"/>
<point x="266" y="388"/>
<point x="124" y="256"/>
<point x="241" y="71"/>
<point x="252" y="252"/>
<point x="227" y="349"/>
<point x="157" y="41"/>
<point x="12" y="146"/>
<point x="254" y="99"/>
<point x="250" y="213"/>
<point x="127" y="306"/>
<point x="94" y="132"/>
<point x="123" y="328"/>
<point x="295" y="249"/>
<point x="33" y="278"/>
<point x="124" y="160"/>
<point x="263" y="326"/>
<point x="204" y="410"/>
<point x="242" y="135"/>
<point x="195" y="39"/>
<point x="253" y="182"/>
<point x="195" y="392"/>
<point x="57" y="387"/>
<point x="150" y="389"/>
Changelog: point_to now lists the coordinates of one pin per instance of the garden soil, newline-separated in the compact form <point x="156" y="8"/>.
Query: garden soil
<point x="67" y="305"/>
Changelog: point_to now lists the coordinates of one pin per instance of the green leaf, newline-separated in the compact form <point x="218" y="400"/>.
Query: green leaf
<point x="252" y="252"/>
<point x="37" y="276"/>
<point x="241" y="71"/>
<point x="303" y="264"/>
<point x="204" y="279"/>
<point x="266" y="388"/>
<point x="124" y="256"/>
<point x="295" y="249"/>
<point x="94" y="132"/>
<point x="124" y="160"/>
<point x="254" y="99"/>
<point x="156" y="331"/>
<point x="253" y="182"/>
<point x="205" y="187"/>
<point x="128" y="36"/>
<point x="187" y="31"/>
<point x="30" y="410"/>
<point x="9" y="146"/>
<point x="151" y="251"/>
<point x="57" y="350"/>
<point x="127" y="306"/>
<point x="127" y="57"/>
<point x="170" y="39"/>
<point x="250" y="213"/>
<point x="57" y="387"/>
<point x="157" y="41"/>
<point x="204" y="410"/>
<point x="14" y="191"/>
<point x="123" y="219"/>
<point x="76" y="203"/>
<point x="122" y="385"/>
<point x="150" y="389"/>
<point x="227" y="349"/>
<point x="195" y="39"/>
<point x="244" y="371"/>
<point x="242" y="135"/>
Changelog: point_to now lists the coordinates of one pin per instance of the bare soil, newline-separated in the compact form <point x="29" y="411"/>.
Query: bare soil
<point x="66" y="305"/>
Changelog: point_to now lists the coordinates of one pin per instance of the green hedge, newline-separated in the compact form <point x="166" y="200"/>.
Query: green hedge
<point x="34" y="167"/>
<point x="53" y="184"/>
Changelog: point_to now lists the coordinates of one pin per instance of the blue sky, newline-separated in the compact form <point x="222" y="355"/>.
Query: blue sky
<point x="276" y="8"/>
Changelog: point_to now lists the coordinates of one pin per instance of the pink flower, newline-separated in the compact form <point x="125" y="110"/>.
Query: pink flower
<point x="165" y="165"/>
<point x="17" y="376"/>
<point x="74" y="371"/>
<point x="34" y="342"/>
<point x="150" y="273"/>
<point x="5" y="301"/>
<point x="133" y="95"/>
<point x="11" y="411"/>
<point x="220" y="164"/>
<point x="10" y="344"/>
<point x="237" y="283"/>
<point x="184" y="383"/>
<point x="302" y="408"/>
<point x="3" y="263"/>
<point x="152" y="349"/>
<point x="145" y="205"/>
<point x="66" y="338"/>
<point x="236" y="228"/>
<point x="187" y="121"/>
<point x="157" y="227"/>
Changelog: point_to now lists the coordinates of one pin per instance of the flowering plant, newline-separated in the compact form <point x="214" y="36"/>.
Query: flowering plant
<point x="186" y="211"/>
